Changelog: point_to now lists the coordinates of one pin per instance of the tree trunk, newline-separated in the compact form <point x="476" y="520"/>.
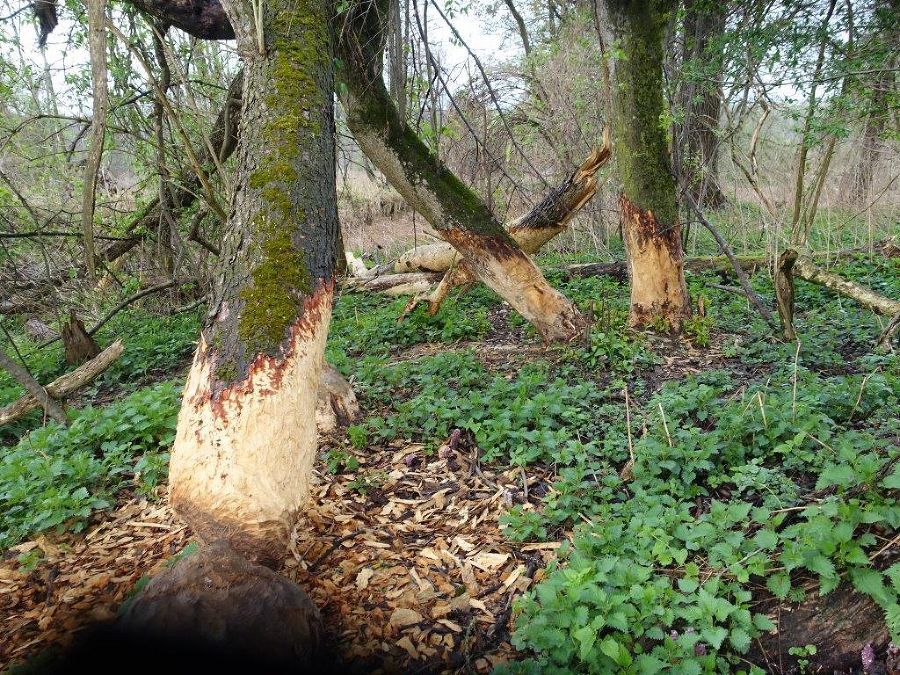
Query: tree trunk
<point x="97" y="41"/>
<point x="458" y="214"/>
<point x="784" y="293"/>
<point x="650" y="225"/>
<point x="696" y="139"/>
<point x="530" y="232"/>
<point x="246" y="437"/>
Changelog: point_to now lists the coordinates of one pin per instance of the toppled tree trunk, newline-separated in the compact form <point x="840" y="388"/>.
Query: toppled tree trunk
<point x="65" y="384"/>
<point x="21" y="375"/>
<point x="337" y="406"/>
<point x="453" y="209"/>
<point x="394" y="284"/>
<point x="79" y="345"/>
<point x="212" y="612"/>
<point x="650" y="225"/>
<point x="784" y="293"/>
<point x="806" y="269"/>
<point x="246" y="437"/>
<point x="531" y="231"/>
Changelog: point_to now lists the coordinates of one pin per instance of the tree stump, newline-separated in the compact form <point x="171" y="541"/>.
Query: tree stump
<point x="79" y="346"/>
<point x="784" y="293"/>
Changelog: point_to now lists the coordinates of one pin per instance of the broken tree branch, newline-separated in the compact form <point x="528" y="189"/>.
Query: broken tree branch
<point x="40" y="396"/>
<point x="66" y="384"/>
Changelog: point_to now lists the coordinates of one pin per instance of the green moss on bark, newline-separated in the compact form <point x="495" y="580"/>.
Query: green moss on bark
<point x="638" y="106"/>
<point x="297" y="52"/>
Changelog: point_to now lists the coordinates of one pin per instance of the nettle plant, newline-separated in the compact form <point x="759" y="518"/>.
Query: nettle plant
<point x="769" y="486"/>
<point x="524" y="419"/>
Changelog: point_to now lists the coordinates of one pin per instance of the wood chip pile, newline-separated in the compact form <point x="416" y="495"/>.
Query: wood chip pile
<point x="414" y="575"/>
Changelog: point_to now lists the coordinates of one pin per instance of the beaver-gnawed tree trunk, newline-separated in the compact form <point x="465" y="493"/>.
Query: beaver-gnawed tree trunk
<point x="648" y="202"/>
<point x="452" y="208"/>
<point x="246" y="435"/>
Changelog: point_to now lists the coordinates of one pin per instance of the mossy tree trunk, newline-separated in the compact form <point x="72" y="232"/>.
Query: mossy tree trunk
<point x="246" y="435"/>
<point x="452" y="208"/>
<point x="648" y="203"/>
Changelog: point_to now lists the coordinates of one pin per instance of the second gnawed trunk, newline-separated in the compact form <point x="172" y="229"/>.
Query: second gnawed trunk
<point x="452" y="208"/>
<point x="650" y="225"/>
<point x="246" y="437"/>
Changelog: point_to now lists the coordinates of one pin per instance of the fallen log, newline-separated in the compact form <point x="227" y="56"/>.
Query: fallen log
<point x="33" y="387"/>
<point x="806" y="269"/>
<point x="64" y="385"/>
<point x="839" y="624"/>
<point x="394" y="284"/>
<point x="719" y="263"/>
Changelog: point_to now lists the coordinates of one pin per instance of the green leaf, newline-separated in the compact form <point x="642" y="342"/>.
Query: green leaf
<point x="714" y="636"/>
<point x="739" y="639"/>
<point x="779" y="584"/>
<point x="892" y="482"/>
<point x="586" y="637"/>
<point x="871" y="582"/>
<point x="766" y="539"/>
<point x="763" y="622"/>
<point x="615" y="651"/>
<point x="687" y="585"/>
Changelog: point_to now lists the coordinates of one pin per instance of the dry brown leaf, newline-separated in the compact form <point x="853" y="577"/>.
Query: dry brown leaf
<point x="362" y="579"/>
<point x="402" y="617"/>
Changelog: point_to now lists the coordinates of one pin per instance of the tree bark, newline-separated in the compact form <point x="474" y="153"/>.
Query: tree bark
<point x="696" y="145"/>
<point x="530" y="232"/>
<point x="650" y="226"/>
<point x="79" y="345"/>
<point x="453" y="209"/>
<point x="784" y="293"/>
<point x="246" y="436"/>
<point x="97" y="42"/>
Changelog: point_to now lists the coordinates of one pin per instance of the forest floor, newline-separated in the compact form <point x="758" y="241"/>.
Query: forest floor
<point x="497" y="486"/>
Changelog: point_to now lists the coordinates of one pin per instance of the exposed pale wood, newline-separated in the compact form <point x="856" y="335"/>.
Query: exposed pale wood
<point x="391" y="281"/>
<point x="66" y="384"/>
<point x="337" y="406"/>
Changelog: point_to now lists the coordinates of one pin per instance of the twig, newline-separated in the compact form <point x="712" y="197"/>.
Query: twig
<point x="122" y="305"/>
<point x="331" y="549"/>
<point x="726" y="250"/>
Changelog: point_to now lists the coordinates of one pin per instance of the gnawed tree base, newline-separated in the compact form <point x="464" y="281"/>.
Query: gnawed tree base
<point x="65" y="384"/>
<point x="249" y="489"/>
<point x="213" y="612"/>
<point x="655" y="268"/>
<point x="840" y="625"/>
<point x="79" y="345"/>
